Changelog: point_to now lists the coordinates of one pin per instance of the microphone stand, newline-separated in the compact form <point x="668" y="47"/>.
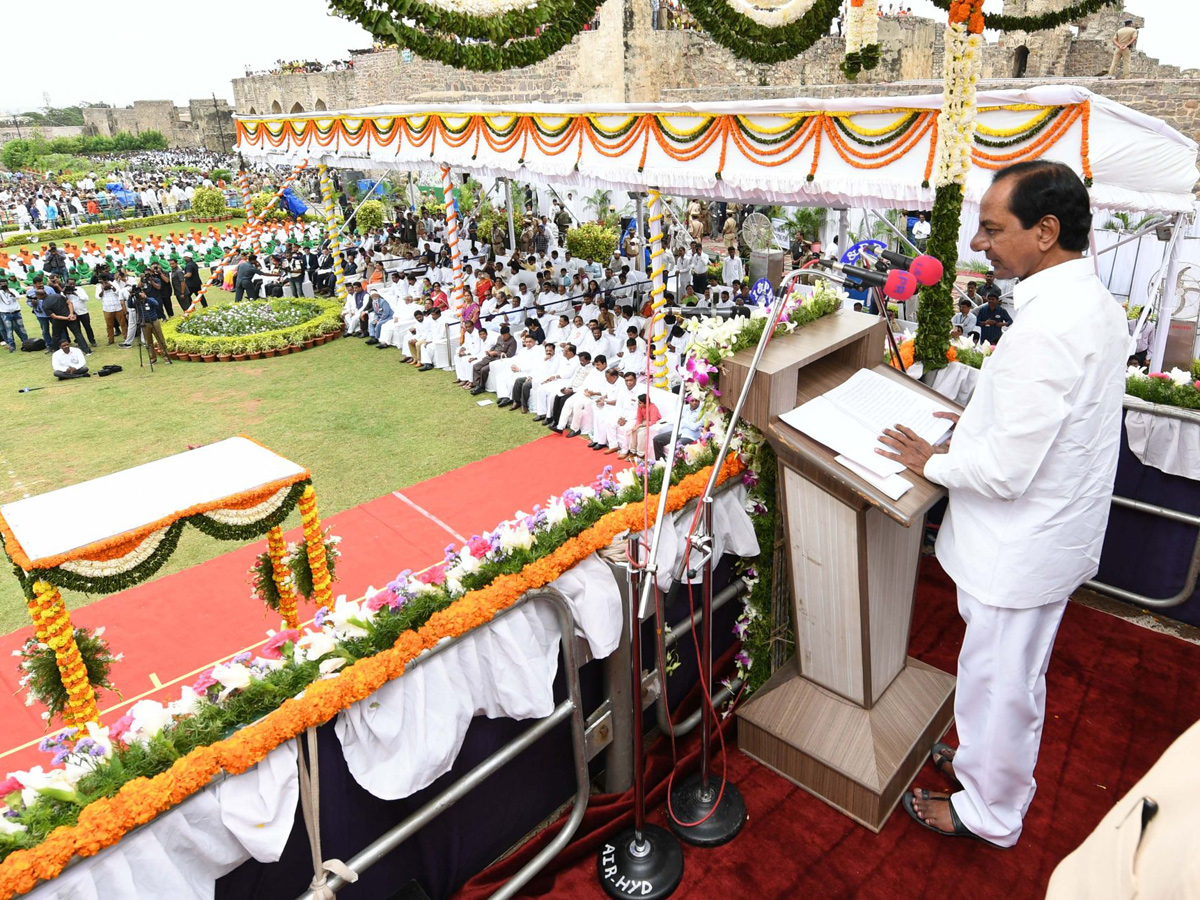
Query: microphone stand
<point x="703" y="814"/>
<point x="644" y="861"/>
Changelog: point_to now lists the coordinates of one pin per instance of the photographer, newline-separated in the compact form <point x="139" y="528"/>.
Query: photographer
<point x="55" y="263"/>
<point x="36" y="297"/>
<point x="149" y="311"/>
<point x="68" y="362"/>
<point x="78" y="299"/>
<point x="112" y="304"/>
<point x="60" y="312"/>
<point x="157" y="285"/>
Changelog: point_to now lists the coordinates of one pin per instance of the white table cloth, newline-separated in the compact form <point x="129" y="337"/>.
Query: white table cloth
<point x="1167" y="443"/>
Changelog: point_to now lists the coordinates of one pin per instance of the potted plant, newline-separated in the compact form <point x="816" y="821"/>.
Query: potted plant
<point x="239" y="350"/>
<point x="224" y="355"/>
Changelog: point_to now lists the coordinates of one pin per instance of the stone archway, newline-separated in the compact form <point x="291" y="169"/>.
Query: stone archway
<point x="320" y="105"/>
<point x="253" y="111"/>
<point x="1020" y="61"/>
<point x="296" y="108"/>
<point x="276" y="108"/>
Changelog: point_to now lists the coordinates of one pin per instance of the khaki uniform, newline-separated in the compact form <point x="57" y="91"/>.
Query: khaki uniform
<point x="1127" y="38"/>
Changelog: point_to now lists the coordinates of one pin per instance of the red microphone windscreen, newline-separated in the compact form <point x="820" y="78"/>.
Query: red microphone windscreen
<point x="927" y="270"/>
<point x="900" y="285"/>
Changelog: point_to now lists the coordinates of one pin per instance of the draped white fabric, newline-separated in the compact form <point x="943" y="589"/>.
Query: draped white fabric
<point x="181" y="854"/>
<point x="1138" y="162"/>
<point x="1163" y="442"/>
<point x="395" y="743"/>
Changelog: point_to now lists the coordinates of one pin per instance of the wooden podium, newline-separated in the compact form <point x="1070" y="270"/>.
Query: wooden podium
<point x="851" y="718"/>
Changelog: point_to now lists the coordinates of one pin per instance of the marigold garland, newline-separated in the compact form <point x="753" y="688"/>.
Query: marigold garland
<point x="52" y="624"/>
<point x="314" y="542"/>
<point x="282" y="576"/>
<point x="105" y="821"/>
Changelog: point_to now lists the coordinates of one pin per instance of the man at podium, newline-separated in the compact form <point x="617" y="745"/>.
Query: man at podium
<point x="1030" y="474"/>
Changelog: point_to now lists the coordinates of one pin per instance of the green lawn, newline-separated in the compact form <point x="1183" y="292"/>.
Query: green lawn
<point x="102" y="237"/>
<point x="359" y="420"/>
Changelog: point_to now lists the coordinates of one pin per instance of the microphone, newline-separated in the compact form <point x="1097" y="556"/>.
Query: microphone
<point x="926" y="269"/>
<point x="896" y="284"/>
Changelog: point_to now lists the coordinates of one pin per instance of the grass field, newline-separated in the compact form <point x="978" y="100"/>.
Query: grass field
<point x="123" y="235"/>
<point x="359" y="420"/>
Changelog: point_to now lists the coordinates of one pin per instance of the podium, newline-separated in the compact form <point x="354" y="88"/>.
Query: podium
<point x="852" y="717"/>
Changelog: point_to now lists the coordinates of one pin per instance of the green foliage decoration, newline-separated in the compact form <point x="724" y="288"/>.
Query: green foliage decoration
<point x="369" y="216"/>
<point x="1041" y="21"/>
<point x="592" y="242"/>
<point x="1162" y="389"/>
<point x="327" y="320"/>
<point x="42" y="680"/>
<point x="747" y="39"/>
<point x="209" y="203"/>
<point x="508" y="41"/>
<point x="936" y="308"/>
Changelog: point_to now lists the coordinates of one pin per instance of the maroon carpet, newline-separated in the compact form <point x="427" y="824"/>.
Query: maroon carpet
<point x="1118" y="696"/>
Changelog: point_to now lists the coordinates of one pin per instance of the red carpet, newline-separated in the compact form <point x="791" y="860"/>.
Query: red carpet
<point x="1118" y="696"/>
<point x="173" y="627"/>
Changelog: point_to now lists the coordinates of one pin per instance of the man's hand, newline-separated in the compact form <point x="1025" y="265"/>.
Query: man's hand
<point x="906" y="447"/>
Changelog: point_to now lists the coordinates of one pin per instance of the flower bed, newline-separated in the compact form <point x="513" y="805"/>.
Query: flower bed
<point x="252" y="329"/>
<point x="1174" y="388"/>
<point x="118" y="777"/>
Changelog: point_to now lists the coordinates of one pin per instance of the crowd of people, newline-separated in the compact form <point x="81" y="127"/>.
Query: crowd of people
<point x="152" y="182"/>
<point x="301" y="67"/>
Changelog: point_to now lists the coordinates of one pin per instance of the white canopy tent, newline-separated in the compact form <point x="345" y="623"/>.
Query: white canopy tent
<point x="842" y="153"/>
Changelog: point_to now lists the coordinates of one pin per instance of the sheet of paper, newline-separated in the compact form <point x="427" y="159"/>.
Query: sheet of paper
<point x="893" y="486"/>
<point x="850" y="418"/>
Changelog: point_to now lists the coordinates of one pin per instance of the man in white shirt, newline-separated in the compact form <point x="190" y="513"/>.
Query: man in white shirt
<point x="543" y="368"/>
<point x="921" y="231"/>
<point x="68" y="362"/>
<point x="434" y="348"/>
<point x="576" y="414"/>
<point x="1030" y="472"/>
<point x="510" y="370"/>
<point x="615" y="425"/>
<point x="12" y="326"/>
<point x="112" y="304"/>
<point x="732" y="269"/>
<point x="469" y="352"/>
<point x="965" y="320"/>
<point x="544" y="389"/>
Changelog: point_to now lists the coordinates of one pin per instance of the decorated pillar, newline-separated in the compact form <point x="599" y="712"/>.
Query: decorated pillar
<point x="459" y="296"/>
<point x="658" y="290"/>
<point x="282" y="576"/>
<point x="314" y="542"/>
<point x="333" y="223"/>
<point x="862" y="37"/>
<point x="52" y="624"/>
<point x="956" y="139"/>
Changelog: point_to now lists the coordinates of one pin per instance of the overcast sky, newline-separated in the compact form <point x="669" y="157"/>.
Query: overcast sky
<point x="148" y="51"/>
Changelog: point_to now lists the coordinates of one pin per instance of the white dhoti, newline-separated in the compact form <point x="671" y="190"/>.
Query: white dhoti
<point x="617" y="435"/>
<point x="602" y="419"/>
<point x="353" y="320"/>
<point x="436" y="354"/>
<point x="542" y="396"/>
<point x="389" y="333"/>
<point x="999" y="709"/>
<point x="505" y="377"/>
<point x="569" y="409"/>
<point x="462" y="367"/>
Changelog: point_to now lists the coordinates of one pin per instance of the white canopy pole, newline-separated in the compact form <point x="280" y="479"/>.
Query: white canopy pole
<point x="512" y="231"/>
<point x="1166" y="296"/>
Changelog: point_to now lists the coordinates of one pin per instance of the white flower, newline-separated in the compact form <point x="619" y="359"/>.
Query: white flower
<point x="1180" y="377"/>
<point x="187" y="704"/>
<point x="515" y="537"/>
<point x="1135" y="372"/>
<point x="343" y="611"/>
<point x="556" y="512"/>
<point x="627" y="478"/>
<point x="149" y="718"/>
<point x="232" y="676"/>
<point x="332" y="664"/>
<point x="692" y="452"/>
<point x="467" y="564"/>
<point x="8" y="826"/>
<point x="316" y="644"/>
<point x="453" y="586"/>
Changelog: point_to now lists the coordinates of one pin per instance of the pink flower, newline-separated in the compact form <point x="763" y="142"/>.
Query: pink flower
<point x="436" y="575"/>
<point x="380" y="599"/>
<point x="1196" y="385"/>
<point x="8" y="785"/>
<point x="204" y="682"/>
<point x="270" y="649"/>
<point x="1160" y="375"/>
<point x="117" y="730"/>
<point x="479" y="547"/>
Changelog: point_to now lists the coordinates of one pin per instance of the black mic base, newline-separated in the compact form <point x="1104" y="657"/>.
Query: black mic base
<point x="691" y="801"/>
<point x="650" y="871"/>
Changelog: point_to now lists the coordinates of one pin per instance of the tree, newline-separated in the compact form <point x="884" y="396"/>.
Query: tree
<point x="599" y="203"/>
<point x="152" y="140"/>
<point x="807" y="221"/>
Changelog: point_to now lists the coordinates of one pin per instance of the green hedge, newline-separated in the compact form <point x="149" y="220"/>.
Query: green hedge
<point x="328" y="321"/>
<point x="115" y="227"/>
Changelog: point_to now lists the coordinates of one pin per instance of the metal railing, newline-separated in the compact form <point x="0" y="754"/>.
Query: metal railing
<point x="569" y="710"/>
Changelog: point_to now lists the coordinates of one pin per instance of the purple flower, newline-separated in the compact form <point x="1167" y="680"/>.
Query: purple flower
<point x="750" y="478"/>
<point x="319" y="618"/>
<point x="60" y="757"/>
<point x="46" y="746"/>
<point x="751" y="572"/>
<point x="97" y="751"/>
<point x="742" y="659"/>
<point x="242" y="658"/>
<point x="85" y="744"/>
<point x="739" y="628"/>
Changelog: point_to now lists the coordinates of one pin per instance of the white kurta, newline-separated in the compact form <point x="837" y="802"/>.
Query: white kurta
<point x="545" y="390"/>
<point x="467" y="355"/>
<point x="1030" y="472"/>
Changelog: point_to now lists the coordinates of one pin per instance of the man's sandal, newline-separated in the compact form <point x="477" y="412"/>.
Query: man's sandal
<point x="959" y="829"/>
<point x="942" y="756"/>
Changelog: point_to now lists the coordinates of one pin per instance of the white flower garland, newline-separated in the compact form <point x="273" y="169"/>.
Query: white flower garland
<point x="250" y="514"/>
<point x="92" y="568"/>
<point x="772" y="15"/>
<point x="481" y="8"/>
<point x="862" y="26"/>
<point x="956" y="123"/>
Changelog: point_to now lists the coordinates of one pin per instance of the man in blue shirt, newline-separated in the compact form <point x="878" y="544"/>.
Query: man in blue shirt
<point x="150" y="313"/>
<point x="35" y="296"/>
<point x="990" y="318"/>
